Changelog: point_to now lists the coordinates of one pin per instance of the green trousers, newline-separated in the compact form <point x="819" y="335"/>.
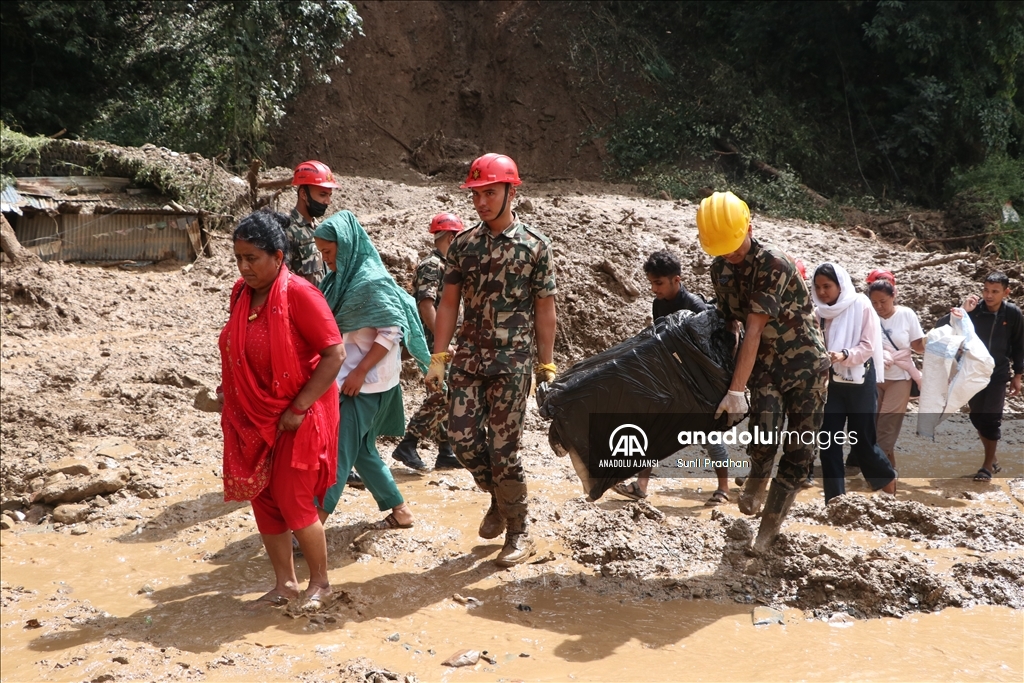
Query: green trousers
<point x="364" y="417"/>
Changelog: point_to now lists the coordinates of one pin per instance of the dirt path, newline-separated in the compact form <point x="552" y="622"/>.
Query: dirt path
<point x="133" y="568"/>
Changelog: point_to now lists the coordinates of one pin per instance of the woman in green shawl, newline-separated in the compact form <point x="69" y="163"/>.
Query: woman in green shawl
<point x="375" y="317"/>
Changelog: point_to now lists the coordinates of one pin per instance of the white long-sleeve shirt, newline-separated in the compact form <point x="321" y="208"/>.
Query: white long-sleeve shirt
<point x="385" y="374"/>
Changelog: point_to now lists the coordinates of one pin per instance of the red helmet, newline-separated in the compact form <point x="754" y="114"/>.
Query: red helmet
<point x="314" y="173"/>
<point x="445" y="222"/>
<point x="492" y="168"/>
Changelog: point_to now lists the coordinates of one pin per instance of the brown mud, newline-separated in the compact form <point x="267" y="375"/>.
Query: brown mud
<point x="121" y="561"/>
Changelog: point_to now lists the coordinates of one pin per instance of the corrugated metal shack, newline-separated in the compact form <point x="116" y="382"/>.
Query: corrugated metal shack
<point x="95" y="218"/>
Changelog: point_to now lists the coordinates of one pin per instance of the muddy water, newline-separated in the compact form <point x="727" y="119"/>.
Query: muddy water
<point x="165" y="591"/>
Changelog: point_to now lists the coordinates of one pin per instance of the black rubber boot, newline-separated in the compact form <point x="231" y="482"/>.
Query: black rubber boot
<point x="780" y="498"/>
<point x="446" y="459"/>
<point x="406" y="454"/>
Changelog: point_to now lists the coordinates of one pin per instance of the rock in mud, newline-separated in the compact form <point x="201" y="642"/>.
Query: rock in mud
<point x="740" y="530"/>
<point x="77" y="489"/>
<point x="70" y="467"/>
<point x="462" y="658"/>
<point x="206" y="400"/>
<point x="71" y="513"/>
<point x="762" y="616"/>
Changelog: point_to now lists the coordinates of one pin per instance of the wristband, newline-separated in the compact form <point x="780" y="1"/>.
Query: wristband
<point x="295" y="411"/>
<point x="846" y="354"/>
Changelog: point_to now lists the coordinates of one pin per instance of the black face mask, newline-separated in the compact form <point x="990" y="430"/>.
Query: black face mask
<point x="315" y="208"/>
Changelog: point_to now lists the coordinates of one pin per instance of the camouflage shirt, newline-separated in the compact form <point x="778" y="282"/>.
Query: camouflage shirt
<point x="501" y="275"/>
<point x="768" y="283"/>
<point x="426" y="283"/>
<point x="427" y="286"/>
<point x="303" y="257"/>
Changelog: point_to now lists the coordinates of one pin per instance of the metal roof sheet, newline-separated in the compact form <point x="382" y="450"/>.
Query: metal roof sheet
<point x="88" y="195"/>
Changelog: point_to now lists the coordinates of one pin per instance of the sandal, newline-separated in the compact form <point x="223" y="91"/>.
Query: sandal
<point x="318" y="601"/>
<point x="388" y="523"/>
<point x="719" y="497"/>
<point x="996" y="469"/>
<point x="270" y="599"/>
<point x="632" y="491"/>
<point x="983" y="475"/>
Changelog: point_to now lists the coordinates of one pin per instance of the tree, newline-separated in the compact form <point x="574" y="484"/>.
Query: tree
<point x="204" y="75"/>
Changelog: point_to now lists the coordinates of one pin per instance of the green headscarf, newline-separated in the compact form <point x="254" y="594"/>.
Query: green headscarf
<point x="362" y="293"/>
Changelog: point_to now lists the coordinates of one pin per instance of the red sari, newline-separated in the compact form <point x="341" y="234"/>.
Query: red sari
<point x="255" y="396"/>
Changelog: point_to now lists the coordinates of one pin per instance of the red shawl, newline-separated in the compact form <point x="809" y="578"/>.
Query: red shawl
<point x="250" y="414"/>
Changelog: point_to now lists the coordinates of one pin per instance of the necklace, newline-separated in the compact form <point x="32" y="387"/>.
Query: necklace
<point x="255" y="313"/>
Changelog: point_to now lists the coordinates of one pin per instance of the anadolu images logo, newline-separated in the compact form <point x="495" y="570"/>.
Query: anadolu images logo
<point x="628" y="441"/>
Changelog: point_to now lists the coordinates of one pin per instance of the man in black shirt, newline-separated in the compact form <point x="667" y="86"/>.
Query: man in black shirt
<point x="664" y="273"/>
<point x="1000" y="325"/>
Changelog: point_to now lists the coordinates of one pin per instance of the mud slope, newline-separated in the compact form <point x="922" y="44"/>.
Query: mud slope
<point x="433" y="84"/>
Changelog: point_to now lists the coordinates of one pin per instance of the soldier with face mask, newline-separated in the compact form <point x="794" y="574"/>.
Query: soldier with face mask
<point x="315" y="184"/>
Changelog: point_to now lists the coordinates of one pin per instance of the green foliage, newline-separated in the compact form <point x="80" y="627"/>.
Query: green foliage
<point x="984" y="189"/>
<point x="784" y="196"/>
<point x="203" y="75"/>
<point x="15" y="147"/>
<point x="877" y="98"/>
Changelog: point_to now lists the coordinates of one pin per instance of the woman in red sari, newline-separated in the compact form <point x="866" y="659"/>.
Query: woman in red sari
<point x="280" y="352"/>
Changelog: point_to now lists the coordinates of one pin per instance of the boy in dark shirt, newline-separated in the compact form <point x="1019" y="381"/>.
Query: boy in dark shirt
<point x="1000" y="325"/>
<point x="664" y="273"/>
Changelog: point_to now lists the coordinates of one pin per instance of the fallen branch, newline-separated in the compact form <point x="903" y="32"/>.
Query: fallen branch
<point x="391" y="135"/>
<point x="610" y="268"/>
<point x="278" y="184"/>
<point x="891" y="221"/>
<point x="968" y="237"/>
<point x="253" y="180"/>
<point x="774" y="172"/>
<point x="944" y="259"/>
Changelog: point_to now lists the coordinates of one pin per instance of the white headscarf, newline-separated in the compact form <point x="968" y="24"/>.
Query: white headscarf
<point x="847" y="326"/>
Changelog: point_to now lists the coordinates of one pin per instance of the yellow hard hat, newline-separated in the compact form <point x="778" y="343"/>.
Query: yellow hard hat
<point x="722" y="222"/>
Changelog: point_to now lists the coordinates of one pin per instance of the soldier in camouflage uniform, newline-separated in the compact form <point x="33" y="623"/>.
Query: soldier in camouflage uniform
<point x="431" y="421"/>
<point x="782" y="358"/>
<point x="315" y="184"/>
<point x="501" y="270"/>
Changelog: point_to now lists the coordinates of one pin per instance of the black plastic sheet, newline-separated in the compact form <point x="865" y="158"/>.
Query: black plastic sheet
<point x="681" y="365"/>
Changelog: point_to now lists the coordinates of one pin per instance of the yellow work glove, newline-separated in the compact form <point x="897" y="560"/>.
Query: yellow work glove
<point x="544" y="372"/>
<point x="435" y="373"/>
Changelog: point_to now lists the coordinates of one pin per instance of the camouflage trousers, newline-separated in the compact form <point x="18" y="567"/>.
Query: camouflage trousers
<point x="430" y="423"/>
<point x="800" y="404"/>
<point x="485" y="426"/>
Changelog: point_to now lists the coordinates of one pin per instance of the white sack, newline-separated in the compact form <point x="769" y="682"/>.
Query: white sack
<point x="947" y="383"/>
